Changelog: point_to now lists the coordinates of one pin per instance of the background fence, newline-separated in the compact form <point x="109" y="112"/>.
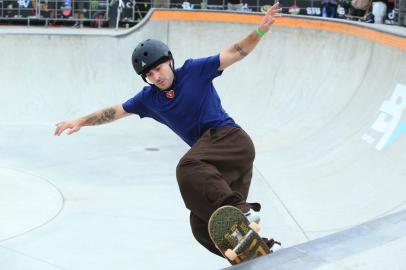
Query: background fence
<point x="105" y="12"/>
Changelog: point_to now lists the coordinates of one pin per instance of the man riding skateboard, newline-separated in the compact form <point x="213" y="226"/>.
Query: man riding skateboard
<point x="217" y="169"/>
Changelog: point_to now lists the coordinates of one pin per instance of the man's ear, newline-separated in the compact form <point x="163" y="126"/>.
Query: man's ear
<point x="172" y="63"/>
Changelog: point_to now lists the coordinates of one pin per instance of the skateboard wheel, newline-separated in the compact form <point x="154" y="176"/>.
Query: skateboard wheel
<point x="230" y="254"/>
<point x="255" y="227"/>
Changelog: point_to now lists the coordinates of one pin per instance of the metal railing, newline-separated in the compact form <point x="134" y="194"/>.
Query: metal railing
<point x="113" y="13"/>
<point x="48" y="11"/>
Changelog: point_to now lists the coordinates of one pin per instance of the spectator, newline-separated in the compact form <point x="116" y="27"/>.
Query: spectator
<point x="234" y="5"/>
<point x="329" y="8"/>
<point x="346" y="5"/>
<point x="187" y="5"/>
<point x="379" y="8"/>
<point x="47" y="8"/>
<point x="79" y="13"/>
<point x="359" y="8"/>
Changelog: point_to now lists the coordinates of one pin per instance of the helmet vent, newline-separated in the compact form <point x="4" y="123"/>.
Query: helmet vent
<point x="145" y="54"/>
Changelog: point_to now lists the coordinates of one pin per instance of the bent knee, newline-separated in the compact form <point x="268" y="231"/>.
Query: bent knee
<point x="184" y="170"/>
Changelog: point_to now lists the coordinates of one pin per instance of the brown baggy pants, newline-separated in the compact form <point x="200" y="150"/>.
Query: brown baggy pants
<point x="216" y="171"/>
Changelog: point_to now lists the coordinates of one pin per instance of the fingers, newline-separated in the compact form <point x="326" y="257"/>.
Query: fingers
<point x="275" y="6"/>
<point x="274" y="10"/>
<point x="62" y="126"/>
<point x="73" y="130"/>
<point x="58" y="129"/>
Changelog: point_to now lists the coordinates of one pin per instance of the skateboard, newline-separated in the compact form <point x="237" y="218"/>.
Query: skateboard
<point x="358" y="18"/>
<point x="234" y="236"/>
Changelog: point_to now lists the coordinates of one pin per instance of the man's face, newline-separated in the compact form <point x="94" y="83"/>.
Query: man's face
<point x="161" y="75"/>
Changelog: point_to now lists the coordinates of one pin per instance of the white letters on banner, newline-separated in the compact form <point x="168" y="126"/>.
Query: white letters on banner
<point x="24" y="3"/>
<point x="389" y="118"/>
<point x="313" y="11"/>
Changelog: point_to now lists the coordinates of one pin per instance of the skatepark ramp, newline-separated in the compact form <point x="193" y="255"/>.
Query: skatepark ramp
<point x="323" y="100"/>
<point x="377" y="244"/>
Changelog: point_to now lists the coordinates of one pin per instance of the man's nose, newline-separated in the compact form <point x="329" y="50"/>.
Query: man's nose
<point x="155" y="76"/>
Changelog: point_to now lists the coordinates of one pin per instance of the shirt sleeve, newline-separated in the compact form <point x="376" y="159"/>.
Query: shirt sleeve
<point x="206" y="67"/>
<point x="135" y="105"/>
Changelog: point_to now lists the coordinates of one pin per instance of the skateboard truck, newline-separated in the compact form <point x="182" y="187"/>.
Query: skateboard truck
<point x="235" y="236"/>
<point x="232" y="254"/>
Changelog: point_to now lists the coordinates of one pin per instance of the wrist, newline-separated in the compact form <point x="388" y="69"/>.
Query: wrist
<point x="81" y="121"/>
<point x="263" y="28"/>
<point x="260" y="32"/>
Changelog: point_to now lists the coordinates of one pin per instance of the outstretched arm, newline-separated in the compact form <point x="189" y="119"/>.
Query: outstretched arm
<point x="98" y="118"/>
<point x="241" y="49"/>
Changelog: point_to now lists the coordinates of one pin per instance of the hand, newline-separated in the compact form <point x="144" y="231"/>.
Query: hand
<point x="73" y="125"/>
<point x="269" y="18"/>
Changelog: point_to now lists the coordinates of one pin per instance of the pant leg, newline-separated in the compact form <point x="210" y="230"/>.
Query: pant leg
<point x="324" y="10"/>
<point x="200" y="227"/>
<point x="218" y="163"/>
<point x="204" y="188"/>
<point x="332" y="10"/>
<point x="201" y="233"/>
<point x="216" y="171"/>
<point x="242" y="185"/>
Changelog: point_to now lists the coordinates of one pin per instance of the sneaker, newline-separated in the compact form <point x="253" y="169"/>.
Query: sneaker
<point x="252" y="216"/>
<point x="272" y="244"/>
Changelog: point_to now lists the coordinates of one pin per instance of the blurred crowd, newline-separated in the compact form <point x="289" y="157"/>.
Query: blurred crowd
<point x="367" y="10"/>
<point x="125" y="13"/>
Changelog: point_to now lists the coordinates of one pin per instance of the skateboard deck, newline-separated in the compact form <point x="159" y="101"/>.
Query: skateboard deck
<point x="361" y="18"/>
<point x="232" y="234"/>
<point x="366" y="18"/>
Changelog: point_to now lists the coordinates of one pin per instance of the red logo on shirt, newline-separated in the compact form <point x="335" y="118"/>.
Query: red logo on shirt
<point x="170" y="94"/>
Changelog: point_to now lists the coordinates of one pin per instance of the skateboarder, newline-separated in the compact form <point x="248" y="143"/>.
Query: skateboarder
<point x="217" y="169"/>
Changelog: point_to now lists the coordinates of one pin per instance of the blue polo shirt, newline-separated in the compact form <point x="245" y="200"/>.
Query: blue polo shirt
<point x="195" y="106"/>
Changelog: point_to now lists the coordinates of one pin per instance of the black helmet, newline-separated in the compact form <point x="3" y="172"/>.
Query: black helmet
<point x="148" y="54"/>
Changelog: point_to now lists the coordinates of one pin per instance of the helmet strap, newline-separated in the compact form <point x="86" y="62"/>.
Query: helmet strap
<point x="172" y="64"/>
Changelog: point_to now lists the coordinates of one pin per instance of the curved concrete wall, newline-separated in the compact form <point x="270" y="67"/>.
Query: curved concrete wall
<point x="325" y="102"/>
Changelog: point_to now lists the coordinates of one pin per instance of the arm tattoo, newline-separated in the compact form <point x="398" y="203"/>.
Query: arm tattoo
<point x="106" y="116"/>
<point x="240" y="51"/>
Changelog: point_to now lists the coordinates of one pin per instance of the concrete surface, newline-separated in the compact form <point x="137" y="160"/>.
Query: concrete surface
<point x="326" y="111"/>
<point x="377" y="244"/>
